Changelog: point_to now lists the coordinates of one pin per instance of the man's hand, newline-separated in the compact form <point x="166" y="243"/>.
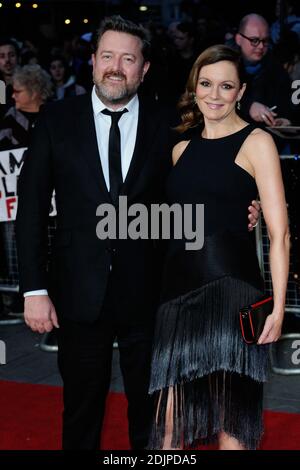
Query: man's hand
<point x="254" y="211"/>
<point x="261" y="113"/>
<point x="282" y="122"/>
<point x="39" y="313"/>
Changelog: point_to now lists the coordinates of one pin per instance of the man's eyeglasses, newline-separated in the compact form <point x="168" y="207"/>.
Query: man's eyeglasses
<point x="256" y="41"/>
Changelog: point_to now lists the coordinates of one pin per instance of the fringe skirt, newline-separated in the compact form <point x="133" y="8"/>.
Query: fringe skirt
<point x="200" y="361"/>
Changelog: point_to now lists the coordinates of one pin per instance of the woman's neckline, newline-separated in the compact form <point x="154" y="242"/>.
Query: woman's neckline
<point x="225" y="136"/>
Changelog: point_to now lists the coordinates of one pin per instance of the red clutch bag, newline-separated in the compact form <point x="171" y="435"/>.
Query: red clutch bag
<point x="253" y="317"/>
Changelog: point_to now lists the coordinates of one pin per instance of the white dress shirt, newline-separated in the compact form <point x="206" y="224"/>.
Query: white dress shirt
<point x="128" y="129"/>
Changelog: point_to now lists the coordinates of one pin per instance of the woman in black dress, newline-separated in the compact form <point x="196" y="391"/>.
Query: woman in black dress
<point x="207" y="382"/>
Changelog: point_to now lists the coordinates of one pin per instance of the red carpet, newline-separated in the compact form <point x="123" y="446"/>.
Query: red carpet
<point x="30" y="420"/>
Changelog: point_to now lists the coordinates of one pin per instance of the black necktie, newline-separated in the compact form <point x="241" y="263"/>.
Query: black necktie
<point x="114" y="154"/>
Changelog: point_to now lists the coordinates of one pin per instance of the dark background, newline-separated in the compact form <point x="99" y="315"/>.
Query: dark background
<point x="50" y="15"/>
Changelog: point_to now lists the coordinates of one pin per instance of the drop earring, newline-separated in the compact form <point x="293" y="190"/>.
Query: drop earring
<point x="238" y="105"/>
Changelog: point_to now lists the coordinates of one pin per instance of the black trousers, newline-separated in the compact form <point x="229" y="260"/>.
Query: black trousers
<point x="84" y="360"/>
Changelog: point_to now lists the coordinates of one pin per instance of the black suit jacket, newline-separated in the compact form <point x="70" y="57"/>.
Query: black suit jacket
<point x="64" y="156"/>
<point x="271" y="86"/>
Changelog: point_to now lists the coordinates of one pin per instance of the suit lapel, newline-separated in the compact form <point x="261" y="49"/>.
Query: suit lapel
<point x="89" y="152"/>
<point x="88" y="146"/>
<point x="147" y="125"/>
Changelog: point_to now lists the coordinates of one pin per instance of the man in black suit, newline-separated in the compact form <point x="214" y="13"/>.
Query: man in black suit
<point x="102" y="289"/>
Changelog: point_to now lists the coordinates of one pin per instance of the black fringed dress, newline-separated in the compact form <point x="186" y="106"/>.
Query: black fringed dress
<point x="215" y="379"/>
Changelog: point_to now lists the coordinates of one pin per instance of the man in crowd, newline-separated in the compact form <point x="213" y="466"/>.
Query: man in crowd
<point x="8" y="62"/>
<point x="267" y="98"/>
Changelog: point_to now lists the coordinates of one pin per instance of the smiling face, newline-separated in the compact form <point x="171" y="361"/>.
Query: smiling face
<point x="218" y="89"/>
<point x="118" y="67"/>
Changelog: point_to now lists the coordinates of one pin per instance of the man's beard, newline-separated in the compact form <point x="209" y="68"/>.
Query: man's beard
<point x="119" y="94"/>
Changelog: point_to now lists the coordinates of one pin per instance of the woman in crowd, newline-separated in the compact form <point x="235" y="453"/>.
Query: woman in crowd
<point x="31" y="88"/>
<point x="64" y="82"/>
<point x="208" y="383"/>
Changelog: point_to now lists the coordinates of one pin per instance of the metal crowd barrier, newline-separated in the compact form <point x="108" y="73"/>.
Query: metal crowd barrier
<point x="9" y="282"/>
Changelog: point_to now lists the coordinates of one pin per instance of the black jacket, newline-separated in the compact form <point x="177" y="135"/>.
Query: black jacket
<point x="270" y="86"/>
<point x="64" y="156"/>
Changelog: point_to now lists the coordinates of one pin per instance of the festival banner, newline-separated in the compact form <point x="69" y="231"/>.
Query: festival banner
<point x="11" y="162"/>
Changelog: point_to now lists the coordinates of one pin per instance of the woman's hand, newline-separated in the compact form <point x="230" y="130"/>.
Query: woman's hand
<point x="272" y="329"/>
<point x="253" y="216"/>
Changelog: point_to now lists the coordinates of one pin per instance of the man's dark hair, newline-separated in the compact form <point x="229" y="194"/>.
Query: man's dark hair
<point x="119" y="24"/>
<point x="10" y="42"/>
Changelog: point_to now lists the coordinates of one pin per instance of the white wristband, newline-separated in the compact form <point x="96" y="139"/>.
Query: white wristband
<point x="36" y="292"/>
